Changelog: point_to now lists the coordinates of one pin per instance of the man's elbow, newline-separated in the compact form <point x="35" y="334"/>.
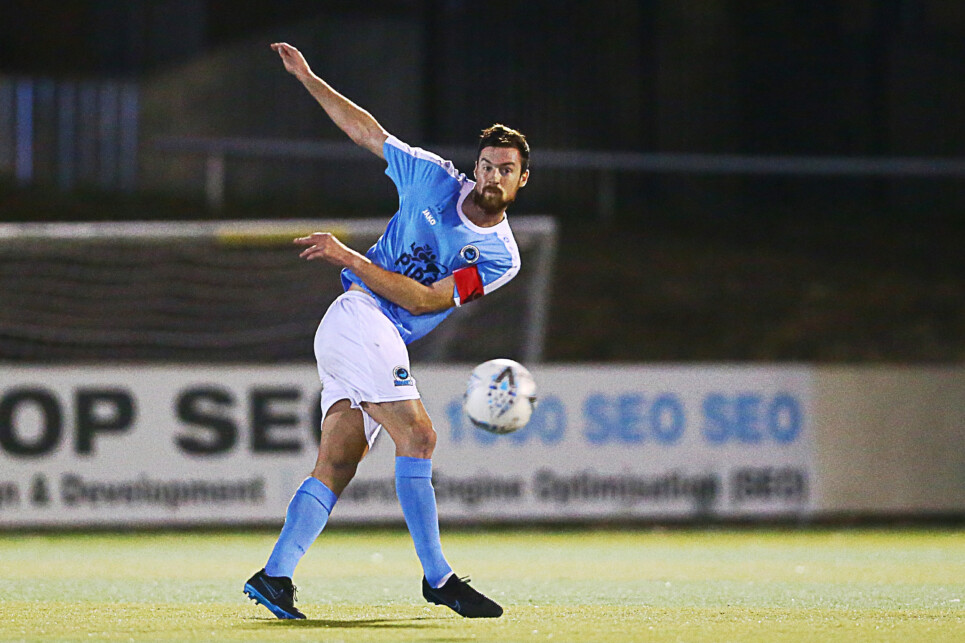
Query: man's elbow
<point x="420" y="308"/>
<point x="426" y="305"/>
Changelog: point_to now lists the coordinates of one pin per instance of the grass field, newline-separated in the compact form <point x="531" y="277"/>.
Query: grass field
<point x="633" y="585"/>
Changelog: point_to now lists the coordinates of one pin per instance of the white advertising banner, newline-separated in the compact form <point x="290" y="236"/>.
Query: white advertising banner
<point x="170" y="445"/>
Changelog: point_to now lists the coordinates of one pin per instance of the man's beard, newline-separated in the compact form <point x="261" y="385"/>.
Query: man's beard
<point x="491" y="200"/>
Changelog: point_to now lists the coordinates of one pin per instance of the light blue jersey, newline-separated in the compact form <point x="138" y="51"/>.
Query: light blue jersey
<point x="430" y="238"/>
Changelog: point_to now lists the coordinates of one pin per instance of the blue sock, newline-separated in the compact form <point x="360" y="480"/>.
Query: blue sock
<point x="307" y="514"/>
<point x="413" y="485"/>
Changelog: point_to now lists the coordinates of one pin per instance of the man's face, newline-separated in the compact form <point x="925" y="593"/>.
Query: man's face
<point x="498" y="178"/>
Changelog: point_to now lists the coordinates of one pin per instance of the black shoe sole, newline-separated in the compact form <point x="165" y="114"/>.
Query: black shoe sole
<point x="457" y="608"/>
<point x="279" y="612"/>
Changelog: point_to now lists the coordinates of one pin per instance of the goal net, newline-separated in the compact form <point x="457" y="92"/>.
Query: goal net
<point x="226" y="292"/>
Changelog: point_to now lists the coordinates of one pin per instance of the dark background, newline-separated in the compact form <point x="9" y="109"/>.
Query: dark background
<point x="692" y="267"/>
<point x="821" y="77"/>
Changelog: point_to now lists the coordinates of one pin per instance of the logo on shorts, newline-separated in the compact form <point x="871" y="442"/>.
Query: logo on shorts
<point x="470" y="253"/>
<point x="402" y="376"/>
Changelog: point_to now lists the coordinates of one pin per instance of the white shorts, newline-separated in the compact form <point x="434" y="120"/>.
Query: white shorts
<point x="361" y="357"/>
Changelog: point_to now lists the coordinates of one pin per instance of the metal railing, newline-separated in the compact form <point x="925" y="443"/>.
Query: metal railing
<point x="606" y="165"/>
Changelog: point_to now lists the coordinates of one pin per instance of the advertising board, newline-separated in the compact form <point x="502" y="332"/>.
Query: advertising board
<point x="177" y="445"/>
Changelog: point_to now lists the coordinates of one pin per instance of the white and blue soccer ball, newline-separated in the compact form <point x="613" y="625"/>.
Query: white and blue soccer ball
<point x="500" y="396"/>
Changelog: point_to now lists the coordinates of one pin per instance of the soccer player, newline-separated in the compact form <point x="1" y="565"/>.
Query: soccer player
<point x="448" y="243"/>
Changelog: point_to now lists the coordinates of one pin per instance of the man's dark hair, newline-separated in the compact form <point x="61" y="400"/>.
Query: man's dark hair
<point x="499" y="135"/>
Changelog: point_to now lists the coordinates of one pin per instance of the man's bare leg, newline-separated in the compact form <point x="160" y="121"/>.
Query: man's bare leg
<point x="339" y="452"/>
<point x="415" y="439"/>
<point x="341" y="448"/>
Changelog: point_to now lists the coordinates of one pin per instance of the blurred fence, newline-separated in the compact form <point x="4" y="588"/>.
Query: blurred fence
<point x="69" y="133"/>
<point x="605" y="165"/>
<point x="89" y="133"/>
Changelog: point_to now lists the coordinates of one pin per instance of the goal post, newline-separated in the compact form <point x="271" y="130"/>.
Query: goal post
<point x="227" y="292"/>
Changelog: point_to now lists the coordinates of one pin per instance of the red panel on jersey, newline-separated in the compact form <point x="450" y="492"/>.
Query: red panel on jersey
<point x="468" y="284"/>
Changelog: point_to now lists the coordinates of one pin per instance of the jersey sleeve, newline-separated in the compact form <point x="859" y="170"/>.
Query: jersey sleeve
<point x="413" y="168"/>
<point x="472" y="282"/>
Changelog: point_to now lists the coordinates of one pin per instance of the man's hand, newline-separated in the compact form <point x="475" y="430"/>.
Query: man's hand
<point x="295" y="62"/>
<point x="325" y="245"/>
<point x="358" y="124"/>
<point x="415" y="297"/>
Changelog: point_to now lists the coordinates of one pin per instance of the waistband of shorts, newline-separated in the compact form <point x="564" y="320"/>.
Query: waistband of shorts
<point x="371" y="304"/>
<point x="361" y="297"/>
<point x="352" y="294"/>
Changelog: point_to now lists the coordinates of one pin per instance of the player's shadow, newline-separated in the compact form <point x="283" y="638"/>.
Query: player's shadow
<point x="373" y="623"/>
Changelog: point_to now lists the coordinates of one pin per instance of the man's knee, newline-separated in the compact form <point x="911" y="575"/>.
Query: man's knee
<point x="408" y="424"/>
<point x="422" y="439"/>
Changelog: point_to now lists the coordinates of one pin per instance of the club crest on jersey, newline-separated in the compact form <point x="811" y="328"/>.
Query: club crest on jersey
<point x="401" y="376"/>
<point x="469" y="254"/>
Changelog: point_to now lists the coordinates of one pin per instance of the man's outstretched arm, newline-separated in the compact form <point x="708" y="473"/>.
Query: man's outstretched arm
<point x="415" y="297"/>
<point x="360" y="126"/>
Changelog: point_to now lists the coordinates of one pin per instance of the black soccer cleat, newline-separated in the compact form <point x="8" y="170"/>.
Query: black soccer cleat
<point x="274" y="592"/>
<point x="458" y="596"/>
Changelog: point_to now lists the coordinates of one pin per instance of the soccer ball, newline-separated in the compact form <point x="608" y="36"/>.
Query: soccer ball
<point x="500" y="396"/>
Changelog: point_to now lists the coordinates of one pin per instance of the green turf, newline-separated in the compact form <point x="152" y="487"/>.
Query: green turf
<point x="646" y="585"/>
